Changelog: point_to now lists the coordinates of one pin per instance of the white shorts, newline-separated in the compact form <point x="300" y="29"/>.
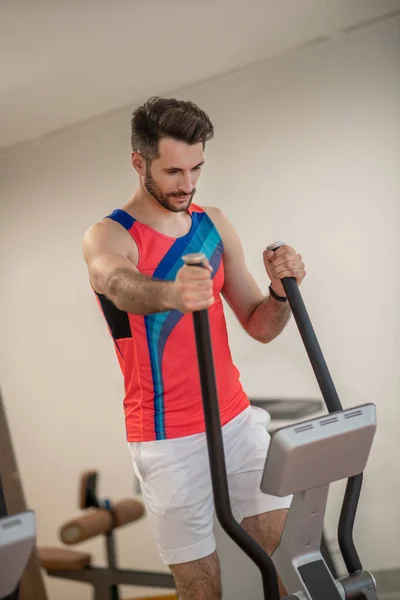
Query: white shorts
<point x="175" y="480"/>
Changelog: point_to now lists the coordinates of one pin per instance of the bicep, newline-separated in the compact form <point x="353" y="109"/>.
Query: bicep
<point x="240" y="289"/>
<point x="107" y="250"/>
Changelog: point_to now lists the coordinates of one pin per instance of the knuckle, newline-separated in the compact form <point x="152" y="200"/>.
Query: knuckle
<point x="202" y="275"/>
<point x="184" y="275"/>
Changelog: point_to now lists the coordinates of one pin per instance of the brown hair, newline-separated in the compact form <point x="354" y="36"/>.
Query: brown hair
<point x="167" y="117"/>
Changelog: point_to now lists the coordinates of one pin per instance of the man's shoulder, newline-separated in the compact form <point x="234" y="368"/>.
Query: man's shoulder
<point x="215" y="213"/>
<point x="106" y="233"/>
<point x="105" y="226"/>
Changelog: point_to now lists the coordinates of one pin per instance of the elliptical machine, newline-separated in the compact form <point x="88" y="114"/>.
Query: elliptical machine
<point x="17" y="541"/>
<point x="303" y="459"/>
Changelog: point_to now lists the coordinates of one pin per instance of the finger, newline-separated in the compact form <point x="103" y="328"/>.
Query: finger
<point x="193" y="288"/>
<point x="199" y="304"/>
<point x="194" y="281"/>
<point x="288" y="266"/>
<point x="204" y="264"/>
<point x="203" y="284"/>
<point x="268" y="255"/>
<point x="283" y="250"/>
<point x="199" y="298"/>
<point x="296" y="273"/>
<point x="193" y="293"/>
<point x="288" y="257"/>
<point x="207" y="265"/>
<point x="195" y="273"/>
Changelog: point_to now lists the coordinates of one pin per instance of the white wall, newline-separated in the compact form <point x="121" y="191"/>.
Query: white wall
<point x="307" y="149"/>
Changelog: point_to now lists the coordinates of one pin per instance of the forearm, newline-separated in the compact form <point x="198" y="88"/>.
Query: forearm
<point x="138" y="294"/>
<point x="268" y="320"/>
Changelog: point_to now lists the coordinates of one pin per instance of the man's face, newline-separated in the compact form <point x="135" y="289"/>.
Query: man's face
<point x="171" y="178"/>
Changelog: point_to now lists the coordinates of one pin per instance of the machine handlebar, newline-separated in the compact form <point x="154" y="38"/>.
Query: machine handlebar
<point x="215" y="442"/>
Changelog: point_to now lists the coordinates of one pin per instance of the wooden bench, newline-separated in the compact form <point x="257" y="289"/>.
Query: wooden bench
<point x="101" y="518"/>
<point x="60" y="559"/>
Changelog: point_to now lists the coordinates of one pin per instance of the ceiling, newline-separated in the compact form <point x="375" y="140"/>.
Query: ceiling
<point x="65" y="61"/>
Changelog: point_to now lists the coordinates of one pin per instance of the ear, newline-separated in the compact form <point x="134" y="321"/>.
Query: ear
<point x="138" y="163"/>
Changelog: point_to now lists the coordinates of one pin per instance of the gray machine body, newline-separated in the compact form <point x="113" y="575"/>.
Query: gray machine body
<point x="303" y="459"/>
<point x="17" y="540"/>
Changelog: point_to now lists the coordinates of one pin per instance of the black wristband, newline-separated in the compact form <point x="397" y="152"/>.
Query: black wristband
<point x="275" y="296"/>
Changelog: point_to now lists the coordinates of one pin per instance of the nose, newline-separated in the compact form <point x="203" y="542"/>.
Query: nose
<point x="186" y="184"/>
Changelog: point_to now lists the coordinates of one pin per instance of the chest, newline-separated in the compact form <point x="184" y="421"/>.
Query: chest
<point x="161" y="257"/>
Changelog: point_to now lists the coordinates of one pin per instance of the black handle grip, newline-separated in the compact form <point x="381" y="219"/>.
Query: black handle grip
<point x="216" y="450"/>
<point x="331" y="398"/>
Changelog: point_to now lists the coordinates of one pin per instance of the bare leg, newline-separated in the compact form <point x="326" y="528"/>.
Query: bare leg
<point x="199" y="579"/>
<point x="267" y="529"/>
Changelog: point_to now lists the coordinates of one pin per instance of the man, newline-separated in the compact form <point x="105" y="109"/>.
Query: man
<point x="147" y="295"/>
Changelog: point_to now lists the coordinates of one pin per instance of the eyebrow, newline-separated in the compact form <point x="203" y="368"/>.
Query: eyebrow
<point x="178" y="169"/>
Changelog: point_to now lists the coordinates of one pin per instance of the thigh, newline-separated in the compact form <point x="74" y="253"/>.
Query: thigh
<point x="199" y="579"/>
<point x="246" y="452"/>
<point x="176" y="487"/>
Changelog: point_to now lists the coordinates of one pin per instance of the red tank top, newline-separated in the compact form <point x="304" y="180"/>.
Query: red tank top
<point x="157" y="352"/>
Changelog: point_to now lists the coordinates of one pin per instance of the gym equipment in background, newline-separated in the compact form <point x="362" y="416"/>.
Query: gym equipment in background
<point x="17" y="541"/>
<point x="101" y="518"/>
<point x="20" y="574"/>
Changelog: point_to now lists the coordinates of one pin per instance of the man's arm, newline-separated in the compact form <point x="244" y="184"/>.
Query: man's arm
<point x="111" y="256"/>
<point x="261" y="316"/>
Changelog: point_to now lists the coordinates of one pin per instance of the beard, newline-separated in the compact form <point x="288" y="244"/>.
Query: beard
<point x="155" y="192"/>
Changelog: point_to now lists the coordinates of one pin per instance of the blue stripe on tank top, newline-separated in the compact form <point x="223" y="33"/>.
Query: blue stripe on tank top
<point x="123" y="218"/>
<point x="203" y="237"/>
<point x="174" y="316"/>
